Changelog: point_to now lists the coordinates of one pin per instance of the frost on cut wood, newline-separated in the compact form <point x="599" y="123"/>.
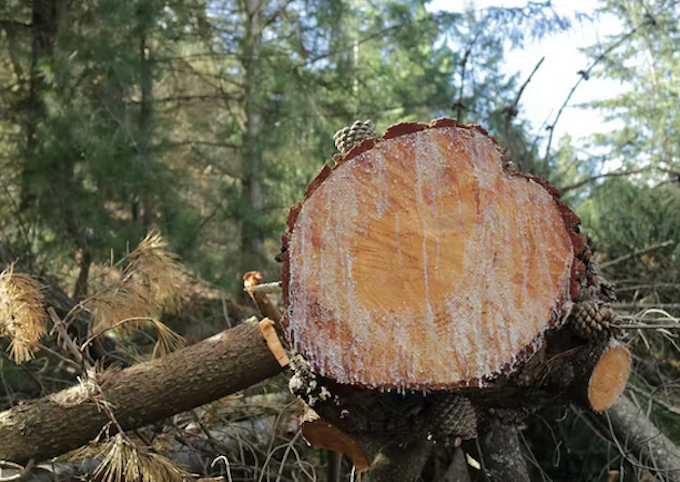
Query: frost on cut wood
<point x="420" y="262"/>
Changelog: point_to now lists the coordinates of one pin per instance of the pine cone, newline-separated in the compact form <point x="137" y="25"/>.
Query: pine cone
<point x="453" y="416"/>
<point x="348" y="137"/>
<point x="591" y="319"/>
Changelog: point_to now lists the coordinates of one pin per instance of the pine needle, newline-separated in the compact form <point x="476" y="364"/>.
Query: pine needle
<point x="122" y="301"/>
<point x="22" y="313"/>
<point x="161" y="271"/>
<point x="168" y="340"/>
<point x="123" y="462"/>
<point x="153" y="282"/>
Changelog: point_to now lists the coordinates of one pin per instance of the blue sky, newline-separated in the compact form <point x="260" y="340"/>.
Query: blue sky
<point x="557" y="75"/>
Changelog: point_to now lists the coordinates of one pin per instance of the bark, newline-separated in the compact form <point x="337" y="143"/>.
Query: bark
<point x="146" y="112"/>
<point x="501" y="452"/>
<point x="223" y="364"/>
<point x="44" y="27"/>
<point x="637" y="437"/>
<point x="458" y="469"/>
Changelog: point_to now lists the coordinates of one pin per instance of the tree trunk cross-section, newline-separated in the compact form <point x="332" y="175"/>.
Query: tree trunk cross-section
<point x="418" y="262"/>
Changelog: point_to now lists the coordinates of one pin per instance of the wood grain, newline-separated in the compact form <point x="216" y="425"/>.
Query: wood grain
<point x="418" y="262"/>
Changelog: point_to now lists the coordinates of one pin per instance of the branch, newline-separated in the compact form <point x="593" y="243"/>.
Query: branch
<point x="142" y="394"/>
<point x="226" y="145"/>
<point x="501" y="452"/>
<point x="587" y="180"/>
<point x="637" y="252"/>
<point x="8" y="24"/>
<point x="585" y="75"/>
<point x="511" y="111"/>
<point x="636" y="437"/>
<point x="460" y="105"/>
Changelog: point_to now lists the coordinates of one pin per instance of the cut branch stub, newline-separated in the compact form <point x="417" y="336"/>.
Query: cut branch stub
<point x="419" y="262"/>
<point x="609" y="377"/>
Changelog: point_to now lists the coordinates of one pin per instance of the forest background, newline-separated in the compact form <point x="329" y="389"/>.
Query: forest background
<point x="204" y="121"/>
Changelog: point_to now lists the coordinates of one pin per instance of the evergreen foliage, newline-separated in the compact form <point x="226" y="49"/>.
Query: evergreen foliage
<point x="206" y="120"/>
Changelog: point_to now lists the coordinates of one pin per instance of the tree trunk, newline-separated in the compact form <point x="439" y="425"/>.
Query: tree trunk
<point x="418" y="262"/>
<point x="84" y="260"/>
<point x="44" y="27"/>
<point x="146" y="112"/>
<point x="422" y="264"/>
<point x="252" y="238"/>
<point x="142" y="394"/>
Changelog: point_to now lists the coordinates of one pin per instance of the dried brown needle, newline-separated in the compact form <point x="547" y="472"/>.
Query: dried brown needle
<point x="124" y="462"/>
<point x="168" y="340"/>
<point x="22" y="313"/>
<point x="153" y="282"/>
<point x="161" y="271"/>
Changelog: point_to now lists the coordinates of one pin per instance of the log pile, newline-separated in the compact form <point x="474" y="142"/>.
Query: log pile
<point x="422" y="273"/>
<point x="431" y="294"/>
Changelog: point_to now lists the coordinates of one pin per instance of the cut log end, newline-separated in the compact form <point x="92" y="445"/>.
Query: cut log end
<point x="418" y="262"/>
<point x="321" y="434"/>
<point x="609" y="378"/>
<point x="273" y="342"/>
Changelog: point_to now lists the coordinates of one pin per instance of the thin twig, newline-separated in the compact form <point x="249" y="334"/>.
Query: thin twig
<point x="637" y="307"/>
<point x="648" y="286"/>
<point x="460" y="104"/>
<point x="61" y="357"/>
<point x="112" y="327"/>
<point x="65" y="337"/>
<point x="17" y="214"/>
<point x="654" y="399"/>
<point x="511" y="111"/>
<point x="585" y="75"/>
<point x="265" y="288"/>
<point x="636" y="253"/>
<point x="590" y="179"/>
<point x="647" y="326"/>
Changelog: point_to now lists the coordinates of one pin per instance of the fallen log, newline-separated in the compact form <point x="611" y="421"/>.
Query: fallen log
<point x="142" y="394"/>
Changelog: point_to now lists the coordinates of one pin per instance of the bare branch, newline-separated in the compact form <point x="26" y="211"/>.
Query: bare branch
<point x="511" y="111"/>
<point x="460" y="105"/>
<point x="637" y="252"/>
<point x="585" y="75"/>
<point x="587" y="180"/>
